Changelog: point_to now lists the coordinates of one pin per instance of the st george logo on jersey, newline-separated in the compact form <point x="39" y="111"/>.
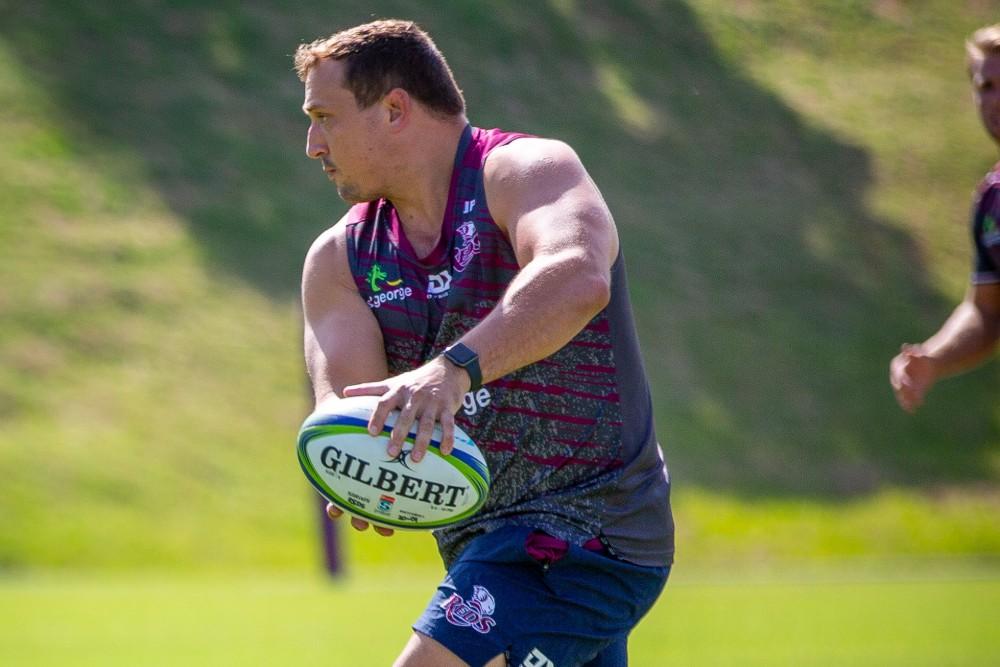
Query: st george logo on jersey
<point x="377" y="280"/>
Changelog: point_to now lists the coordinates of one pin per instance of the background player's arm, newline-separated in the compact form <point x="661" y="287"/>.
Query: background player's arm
<point x="966" y="338"/>
<point x="342" y="340"/>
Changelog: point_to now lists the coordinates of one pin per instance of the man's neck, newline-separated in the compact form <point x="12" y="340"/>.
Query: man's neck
<point x="422" y="188"/>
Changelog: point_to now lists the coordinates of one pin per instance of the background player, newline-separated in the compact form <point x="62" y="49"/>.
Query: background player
<point x="969" y="335"/>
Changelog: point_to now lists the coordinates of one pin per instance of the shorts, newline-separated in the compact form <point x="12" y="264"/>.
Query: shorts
<point x="575" y="610"/>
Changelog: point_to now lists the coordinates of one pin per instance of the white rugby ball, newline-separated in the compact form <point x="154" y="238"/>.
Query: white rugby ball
<point x="353" y="470"/>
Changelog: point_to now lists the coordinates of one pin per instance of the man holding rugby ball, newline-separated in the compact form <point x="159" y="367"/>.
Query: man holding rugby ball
<point x="477" y="280"/>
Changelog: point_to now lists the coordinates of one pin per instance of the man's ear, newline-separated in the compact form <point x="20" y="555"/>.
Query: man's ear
<point x="398" y="106"/>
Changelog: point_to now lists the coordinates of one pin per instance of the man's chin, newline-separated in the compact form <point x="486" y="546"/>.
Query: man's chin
<point x="353" y="197"/>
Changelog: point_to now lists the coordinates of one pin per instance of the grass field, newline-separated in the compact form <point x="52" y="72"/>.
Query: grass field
<point x="901" y="615"/>
<point x="791" y="181"/>
<point x="787" y="216"/>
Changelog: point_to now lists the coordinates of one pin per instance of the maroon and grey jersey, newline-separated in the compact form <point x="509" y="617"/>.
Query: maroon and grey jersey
<point x="985" y="233"/>
<point x="569" y="439"/>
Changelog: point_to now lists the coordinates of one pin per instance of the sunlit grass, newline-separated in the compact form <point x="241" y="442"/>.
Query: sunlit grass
<point x="833" y="615"/>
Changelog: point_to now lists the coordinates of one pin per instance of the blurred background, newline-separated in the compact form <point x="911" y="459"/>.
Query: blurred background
<point x="791" y="181"/>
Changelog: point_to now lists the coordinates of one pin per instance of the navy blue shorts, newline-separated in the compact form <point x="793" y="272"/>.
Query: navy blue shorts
<point x="577" y="610"/>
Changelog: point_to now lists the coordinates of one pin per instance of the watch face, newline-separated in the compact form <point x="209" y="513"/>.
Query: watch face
<point x="460" y="354"/>
<point x="463" y="357"/>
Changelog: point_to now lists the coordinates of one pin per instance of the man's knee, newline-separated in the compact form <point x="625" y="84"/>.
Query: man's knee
<point x="423" y="651"/>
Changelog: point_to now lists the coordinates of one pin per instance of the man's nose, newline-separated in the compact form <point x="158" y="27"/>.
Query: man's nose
<point x="315" y="144"/>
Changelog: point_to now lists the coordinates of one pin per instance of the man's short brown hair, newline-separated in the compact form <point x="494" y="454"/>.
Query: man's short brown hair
<point x="387" y="54"/>
<point x="983" y="42"/>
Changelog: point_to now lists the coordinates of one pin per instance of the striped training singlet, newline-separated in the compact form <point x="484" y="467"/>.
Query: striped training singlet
<point x="569" y="439"/>
<point x="985" y="229"/>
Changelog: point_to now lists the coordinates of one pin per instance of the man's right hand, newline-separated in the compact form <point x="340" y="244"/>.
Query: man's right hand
<point x="912" y="374"/>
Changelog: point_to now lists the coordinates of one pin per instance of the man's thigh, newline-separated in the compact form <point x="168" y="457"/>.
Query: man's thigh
<point x="422" y="651"/>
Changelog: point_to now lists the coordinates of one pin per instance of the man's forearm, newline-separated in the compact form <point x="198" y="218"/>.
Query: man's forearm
<point x="964" y="340"/>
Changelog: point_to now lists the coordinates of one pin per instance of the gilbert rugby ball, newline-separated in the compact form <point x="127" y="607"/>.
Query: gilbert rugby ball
<point x="352" y="469"/>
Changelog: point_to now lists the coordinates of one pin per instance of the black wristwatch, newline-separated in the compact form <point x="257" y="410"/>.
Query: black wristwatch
<point x="463" y="357"/>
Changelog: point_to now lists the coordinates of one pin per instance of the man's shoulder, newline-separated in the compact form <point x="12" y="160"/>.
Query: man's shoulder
<point x="990" y="180"/>
<point x="356" y="215"/>
<point x="988" y="188"/>
<point x="529" y="150"/>
<point x="332" y="241"/>
<point x="327" y="263"/>
<point x="529" y="159"/>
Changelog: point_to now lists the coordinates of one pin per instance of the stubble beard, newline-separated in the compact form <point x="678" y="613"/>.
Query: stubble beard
<point x="351" y="194"/>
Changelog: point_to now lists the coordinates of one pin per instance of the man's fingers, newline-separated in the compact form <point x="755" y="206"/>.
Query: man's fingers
<point x="447" y="433"/>
<point x="404" y="420"/>
<point x="425" y="429"/>
<point x="388" y="403"/>
<point x="335" y="513"/>
<point x="908" y="395"/>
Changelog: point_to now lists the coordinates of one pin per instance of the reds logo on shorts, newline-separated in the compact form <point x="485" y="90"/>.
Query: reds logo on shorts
<point x="473" y="614"/>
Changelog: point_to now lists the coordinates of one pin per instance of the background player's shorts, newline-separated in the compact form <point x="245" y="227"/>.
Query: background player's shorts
<point x="578" y="610"/>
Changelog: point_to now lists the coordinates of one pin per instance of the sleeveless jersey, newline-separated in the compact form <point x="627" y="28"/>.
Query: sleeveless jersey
<point x="569" y="439"/>
<point x="985" y="232"/>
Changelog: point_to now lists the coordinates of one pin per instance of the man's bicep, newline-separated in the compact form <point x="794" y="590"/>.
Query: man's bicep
<point x="343" y="348"/>
<point x="548" y="204"/>
<point x="576" y="223"/>
<point x="342" y="340"/>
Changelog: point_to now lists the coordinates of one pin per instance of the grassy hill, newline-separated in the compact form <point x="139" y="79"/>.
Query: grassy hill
<point x="791" y="182"/>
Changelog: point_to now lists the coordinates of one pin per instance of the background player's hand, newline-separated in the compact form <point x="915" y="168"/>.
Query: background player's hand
<point x="425" y="396"/>
<point x="335" y="513"/>
<point x="911" y="374"/>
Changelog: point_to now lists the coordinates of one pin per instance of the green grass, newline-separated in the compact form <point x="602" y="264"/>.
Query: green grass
<point x="832" y="615"/>
<point x="791" y="182"/>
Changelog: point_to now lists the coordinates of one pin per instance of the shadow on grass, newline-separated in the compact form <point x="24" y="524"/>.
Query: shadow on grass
<point x="769" y="296"/>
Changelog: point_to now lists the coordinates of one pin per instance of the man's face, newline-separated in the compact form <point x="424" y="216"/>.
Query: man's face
<point x="341" y="136"/>
<point x="986" y="89"/>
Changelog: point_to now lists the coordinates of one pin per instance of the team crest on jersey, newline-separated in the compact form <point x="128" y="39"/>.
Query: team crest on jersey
<point x="469" y="247"/>
<point x="474" y="613"/>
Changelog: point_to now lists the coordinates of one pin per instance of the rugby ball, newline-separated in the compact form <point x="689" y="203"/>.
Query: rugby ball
<point x="353" y="470"/>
